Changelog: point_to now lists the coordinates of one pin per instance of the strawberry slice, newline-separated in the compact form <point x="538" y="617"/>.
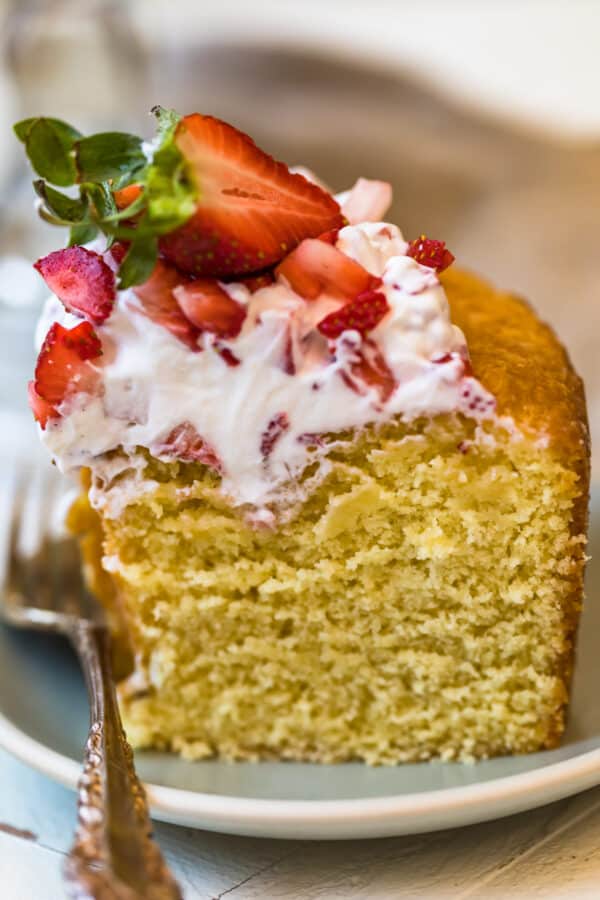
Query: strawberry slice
<point x="81" y="280"/>
<point x="184" y="443"/>
<point x="433" y="254"/>
<point x="159" y="304"/>
<point x="251" y="209"/>
<point x="317" y="267"/>
<point x="64" y="368"/>
<point x="368" y="201"/>
<point x="361" y="314"/>
<point x="210" y="308"/>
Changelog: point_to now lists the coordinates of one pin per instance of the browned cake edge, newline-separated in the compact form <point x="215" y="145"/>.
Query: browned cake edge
<point x="519" y="358"/>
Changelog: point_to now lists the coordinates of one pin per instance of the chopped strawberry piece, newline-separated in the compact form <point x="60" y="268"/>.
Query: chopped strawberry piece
<point x="361" y="314"/>
<point x="207" y="306"/>
<point x="316" y="267"/>
<point x="159" y="304"/>
<point x="368" y="201"/>
<point x="81" y="280"/>
<point x="371" y="371"/>
<point x="251" y="210"/>
<point x="184" y="443"/>
<point x="41" y="409"/>
<point x="227" y="355"/>
<point x="433" y="254"/>
<point x="278" y="425"/>
<point x="288" y="364"/>
<point x="64" y="368"/>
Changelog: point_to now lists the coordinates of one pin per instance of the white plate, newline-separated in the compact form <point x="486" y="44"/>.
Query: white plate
<point x="43" y="721"/>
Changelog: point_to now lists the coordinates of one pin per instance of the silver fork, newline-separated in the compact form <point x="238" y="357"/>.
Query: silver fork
<point x="113" y="856"/>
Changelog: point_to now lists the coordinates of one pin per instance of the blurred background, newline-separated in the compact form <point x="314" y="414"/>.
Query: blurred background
<point x="484" y="117"/>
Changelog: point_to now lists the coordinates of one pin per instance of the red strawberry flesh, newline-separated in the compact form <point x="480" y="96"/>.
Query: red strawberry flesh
<point x="361" y="314"/>
<point x="317" y="267"/>
<point x="184" y="442"/>
<point x="41" y="409"/>
<point x="278" y="425"/>
<point x="64" y="368"/>
<point x="330" y="237"/>
<point x="251" y="209"/>
<point x="256" y="282"/>
<point x="159" y="304"/>
<point x="81" y="280"/>
<point x="372" y="371"/>
<point x="428" y="252"/>
<point x="207" y="306"/>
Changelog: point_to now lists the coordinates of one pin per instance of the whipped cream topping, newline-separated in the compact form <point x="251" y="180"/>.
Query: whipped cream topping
<point x="260" y="421"/>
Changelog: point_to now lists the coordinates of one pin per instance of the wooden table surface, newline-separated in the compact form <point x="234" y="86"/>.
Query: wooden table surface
<point x="550" y="853"/>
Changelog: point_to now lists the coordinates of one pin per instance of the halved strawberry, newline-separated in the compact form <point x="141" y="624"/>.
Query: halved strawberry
<point x="63" y="368"/>
<point x="433" y="254"/>
<point x="368" y="201"/>
<point x="361" y="314"/>
<point x="317" y="267"/>
<point x="210" y="308"/>
<point x="184" y="442"/>
<point x="81" y="280"/>
<point x="159" y="303"/>
<point x="251" y="209"/>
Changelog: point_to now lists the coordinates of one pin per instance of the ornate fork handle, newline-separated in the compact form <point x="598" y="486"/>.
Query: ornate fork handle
<point x="114" y="856"/>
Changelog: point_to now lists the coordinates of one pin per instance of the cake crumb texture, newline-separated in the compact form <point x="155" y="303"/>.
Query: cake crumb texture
<point x="418" y="606"/>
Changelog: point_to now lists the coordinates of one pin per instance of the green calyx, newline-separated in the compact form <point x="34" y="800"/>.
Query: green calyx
<point x="99" y="166"/>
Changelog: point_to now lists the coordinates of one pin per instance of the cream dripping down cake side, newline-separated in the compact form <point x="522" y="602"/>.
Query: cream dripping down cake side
<point x="334" y="490"/>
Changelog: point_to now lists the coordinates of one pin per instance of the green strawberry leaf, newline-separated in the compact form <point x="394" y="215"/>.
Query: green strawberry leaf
<point x="49" y="145"/>
<point x="102" y="164"/>
<point x="82" y="234"/>
<point x="63" y="209"/>
<point x="139" y="261"/>
<point x="100" y="198"/>
<point x="110" y="155"/>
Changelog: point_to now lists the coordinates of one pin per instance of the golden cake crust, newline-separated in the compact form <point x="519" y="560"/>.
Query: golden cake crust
<point x="520" y="360"/>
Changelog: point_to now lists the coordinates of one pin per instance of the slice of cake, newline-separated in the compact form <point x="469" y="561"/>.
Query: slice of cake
<point x="335" y="492"/>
